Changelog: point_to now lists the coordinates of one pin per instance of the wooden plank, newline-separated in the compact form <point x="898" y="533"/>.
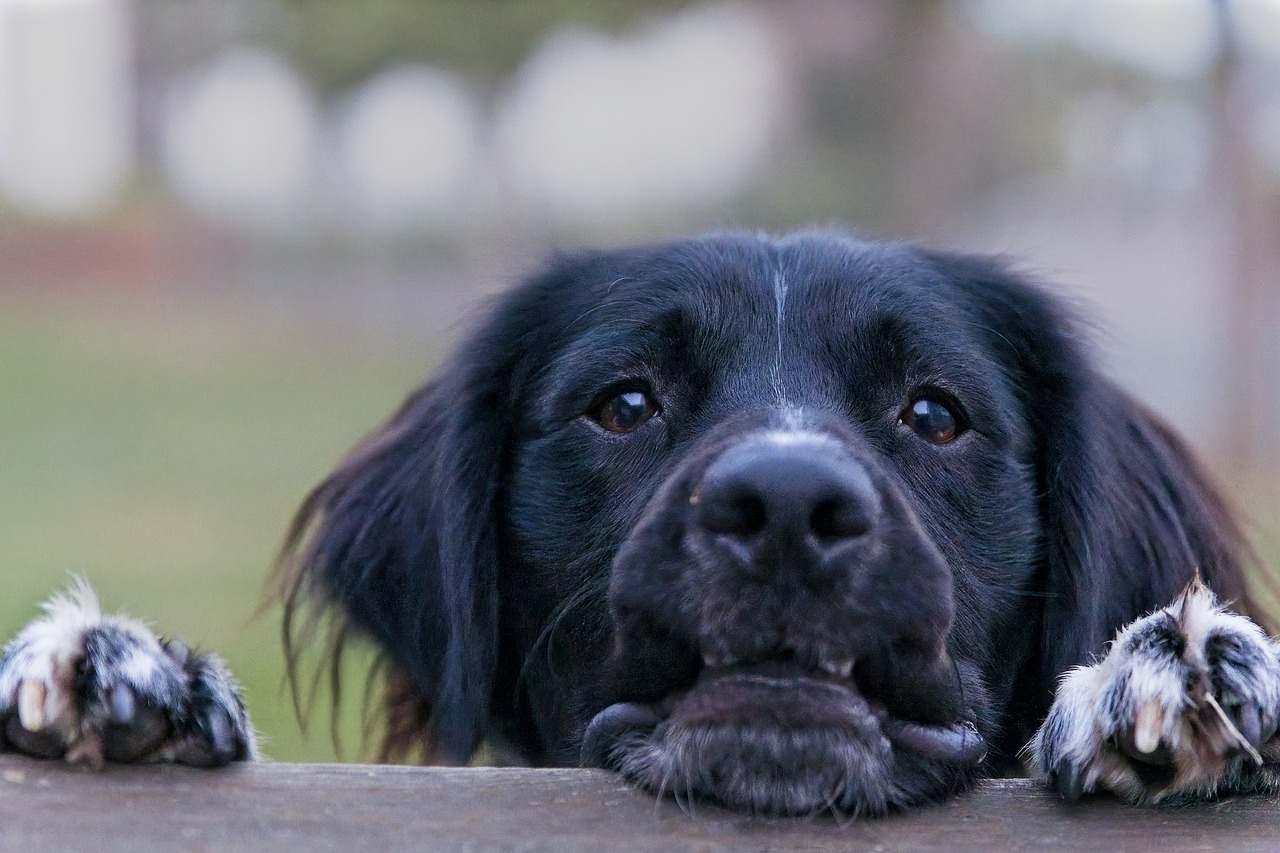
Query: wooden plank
<point x="47" y="806"/>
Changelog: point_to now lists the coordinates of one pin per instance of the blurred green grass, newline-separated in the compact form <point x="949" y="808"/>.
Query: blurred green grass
<point x="158" y="445"/>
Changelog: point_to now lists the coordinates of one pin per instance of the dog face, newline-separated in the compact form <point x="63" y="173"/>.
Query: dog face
<point x="794" y="524"/>
<point x="779" y="472"/>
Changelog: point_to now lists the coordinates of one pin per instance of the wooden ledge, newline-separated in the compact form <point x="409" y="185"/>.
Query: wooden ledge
<point x="47" y="806"/>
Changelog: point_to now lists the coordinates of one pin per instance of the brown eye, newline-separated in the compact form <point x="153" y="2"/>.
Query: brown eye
<point x="626" y="412"/>
<point x="931" y="420"/>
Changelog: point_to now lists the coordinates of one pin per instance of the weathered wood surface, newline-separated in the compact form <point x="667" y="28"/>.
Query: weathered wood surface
<point x="47" y="806"/>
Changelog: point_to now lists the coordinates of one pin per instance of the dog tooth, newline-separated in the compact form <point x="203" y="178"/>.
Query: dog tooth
<point x="839" y="667"/>
<point x="1147" y="726"/>
<point x="31" y="697"/>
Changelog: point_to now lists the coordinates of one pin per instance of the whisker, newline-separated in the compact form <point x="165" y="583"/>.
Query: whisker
<point x="543" y="647"/>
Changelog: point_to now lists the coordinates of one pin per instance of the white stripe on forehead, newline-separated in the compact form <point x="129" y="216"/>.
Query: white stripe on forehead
<point x="780" y="300"/>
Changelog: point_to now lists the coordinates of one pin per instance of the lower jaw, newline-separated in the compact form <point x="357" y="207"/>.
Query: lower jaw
<point x="764" y="768"/>
<point x="776" y="742"/>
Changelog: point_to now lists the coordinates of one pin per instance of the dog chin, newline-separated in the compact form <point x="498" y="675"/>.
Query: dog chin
<point x="773" y="739"/>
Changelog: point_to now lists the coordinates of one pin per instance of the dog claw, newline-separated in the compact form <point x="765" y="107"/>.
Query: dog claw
<point x="1068" y="781"/>
<point x="221" y="733"/>
<point x="1147" y="727"/>
<point x="123" y="703"/>
<point x="1248" y="720"/>
<point x="31" y="696"/>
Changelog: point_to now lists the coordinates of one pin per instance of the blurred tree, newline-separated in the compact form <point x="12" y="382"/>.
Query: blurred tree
<point x="1253" y="306"/>
<point x="338" y="43"/>
<point x="904" y="121"/>
<point x="947" y="135"/>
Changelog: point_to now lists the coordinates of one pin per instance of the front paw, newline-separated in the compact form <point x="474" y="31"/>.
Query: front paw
<point x="89" y="688"/>
<point x="1186" y="702"/>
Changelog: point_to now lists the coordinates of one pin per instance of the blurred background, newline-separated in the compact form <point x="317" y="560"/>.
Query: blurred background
<point x="234" y="233"/>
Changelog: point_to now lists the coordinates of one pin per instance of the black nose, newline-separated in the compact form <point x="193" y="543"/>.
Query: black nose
<point x="779" y="504"/>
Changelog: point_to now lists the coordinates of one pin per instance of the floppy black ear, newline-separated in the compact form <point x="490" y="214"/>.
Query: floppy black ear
<point x="399" y="545"/>
<point x="399" y="540"/>
<point x="1128" y="515"/>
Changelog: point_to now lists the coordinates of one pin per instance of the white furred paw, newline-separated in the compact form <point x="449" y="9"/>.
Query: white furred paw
<point x="89" y="688"/>
<point x="1186" y="703"/>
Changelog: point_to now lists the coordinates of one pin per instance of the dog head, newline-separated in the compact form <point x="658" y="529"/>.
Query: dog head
<point x="795" y="523"/>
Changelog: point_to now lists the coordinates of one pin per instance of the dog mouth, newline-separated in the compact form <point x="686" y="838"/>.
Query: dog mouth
<point x="782" y="701"/>
<point x="776" y="670"/>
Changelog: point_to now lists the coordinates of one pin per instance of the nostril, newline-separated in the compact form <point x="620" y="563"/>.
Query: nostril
<point x="837" y="518"/>
<point x="742" y="514"/>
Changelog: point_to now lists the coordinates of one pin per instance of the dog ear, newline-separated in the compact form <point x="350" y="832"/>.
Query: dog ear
<point x="399" y="545"/>
<point x="399" y="541"/>
<point x="1129" y="517"/>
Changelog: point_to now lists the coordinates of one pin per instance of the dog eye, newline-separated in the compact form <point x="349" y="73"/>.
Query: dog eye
<point x="931" y="420"/>
<point x="626" y="412"/>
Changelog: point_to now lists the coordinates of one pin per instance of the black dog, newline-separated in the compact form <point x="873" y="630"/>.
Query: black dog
<point x="795" y="524"/>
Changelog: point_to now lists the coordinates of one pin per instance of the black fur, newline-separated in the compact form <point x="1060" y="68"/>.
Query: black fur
<point x="525" y="570"/>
